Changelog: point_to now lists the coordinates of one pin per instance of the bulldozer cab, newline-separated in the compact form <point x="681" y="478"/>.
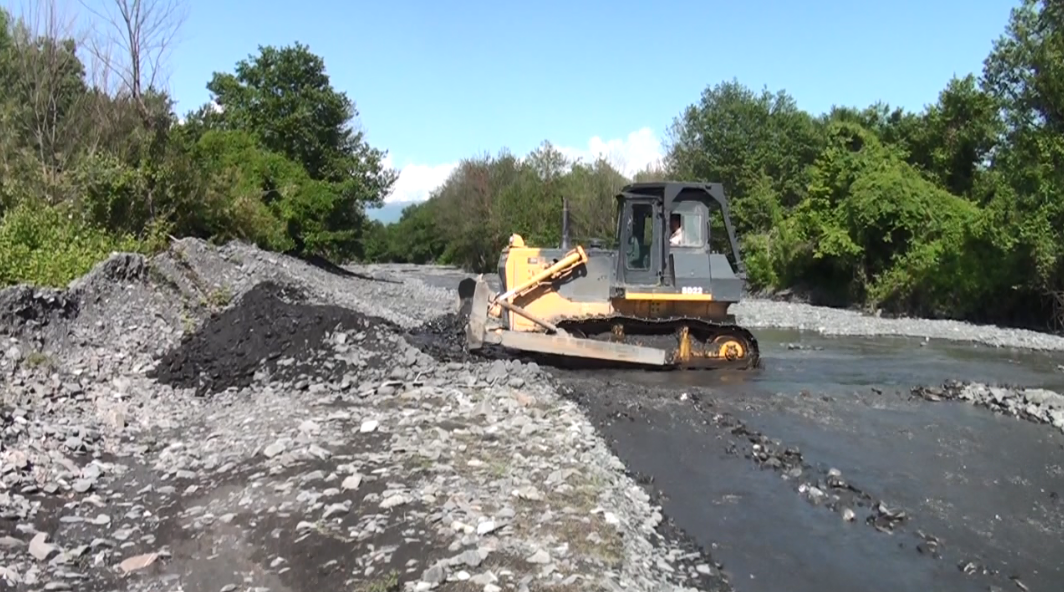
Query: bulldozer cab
<point x="657" y="221"/>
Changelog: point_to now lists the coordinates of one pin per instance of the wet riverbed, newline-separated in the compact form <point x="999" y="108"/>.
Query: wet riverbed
<point x="985" y="488"/>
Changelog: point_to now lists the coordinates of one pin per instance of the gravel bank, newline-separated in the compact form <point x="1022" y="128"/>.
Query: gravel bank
<point x="756" y="313"/>
<point x="1034" y="405"/>
<point x="228" y="419"/>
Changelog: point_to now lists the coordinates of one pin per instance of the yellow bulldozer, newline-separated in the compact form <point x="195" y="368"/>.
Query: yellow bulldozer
<point x="663" y="302"/>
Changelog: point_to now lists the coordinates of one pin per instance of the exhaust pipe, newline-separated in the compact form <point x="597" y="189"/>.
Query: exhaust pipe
<point x="565" y="224"/>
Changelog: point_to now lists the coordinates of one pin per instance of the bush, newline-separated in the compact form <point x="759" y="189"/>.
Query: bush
<point x="52" y="245"/>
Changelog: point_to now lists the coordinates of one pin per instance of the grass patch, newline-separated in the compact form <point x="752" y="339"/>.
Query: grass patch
<point x="588" y="538"/>
<point x="220" y="297"/>
<point x="38" y="359"/>
<point x="486" y="454"/>
<point x="388" y="582"/>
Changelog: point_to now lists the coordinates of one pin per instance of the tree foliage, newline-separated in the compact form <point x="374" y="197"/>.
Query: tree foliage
<point x="955" y="210"/>
<point x="88" y="165"/>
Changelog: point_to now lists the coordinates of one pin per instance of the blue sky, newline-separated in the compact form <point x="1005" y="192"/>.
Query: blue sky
<point x="435" y="81"/>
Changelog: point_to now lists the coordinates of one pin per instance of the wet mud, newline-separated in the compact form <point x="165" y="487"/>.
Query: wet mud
<point x="827" y="469"/>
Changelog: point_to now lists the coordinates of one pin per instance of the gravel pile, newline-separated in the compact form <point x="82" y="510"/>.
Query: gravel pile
<point x="1034" y="405"/>
<point x="229" y="419"/>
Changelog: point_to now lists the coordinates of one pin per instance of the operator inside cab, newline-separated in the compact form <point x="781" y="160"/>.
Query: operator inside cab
<point x="675" y="225"/>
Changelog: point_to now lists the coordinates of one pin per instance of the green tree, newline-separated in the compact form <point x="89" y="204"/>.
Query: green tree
<point x="1024" y="73"/>
<point x="284" y="98"/>
<point x="757" y="144"/>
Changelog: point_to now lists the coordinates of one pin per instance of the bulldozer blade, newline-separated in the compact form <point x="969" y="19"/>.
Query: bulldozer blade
<point x="559" y="344"/>
<point x="477" y="305"/>
<point x="466" y="288"/>
<point x="567" y="346"/>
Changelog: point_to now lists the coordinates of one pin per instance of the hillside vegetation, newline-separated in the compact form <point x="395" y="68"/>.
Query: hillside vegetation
<point x="93" y="157"/>
<point x="955" y="211"/>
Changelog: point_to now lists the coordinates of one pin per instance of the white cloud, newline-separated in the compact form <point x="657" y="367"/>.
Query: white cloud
<point x="416" y="181"/>
<point x="211" y="106"/>
<point x="629" y="155"/>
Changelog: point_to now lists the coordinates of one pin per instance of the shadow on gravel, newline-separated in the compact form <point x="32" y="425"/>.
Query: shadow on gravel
<point x="269" y="323"/>
<point x="294" y="528"/>
<point x="328" y="266"/>
<point x="359" y="547"/>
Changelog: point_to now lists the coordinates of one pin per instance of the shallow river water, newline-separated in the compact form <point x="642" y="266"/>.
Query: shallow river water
<point x="987" y="486"/>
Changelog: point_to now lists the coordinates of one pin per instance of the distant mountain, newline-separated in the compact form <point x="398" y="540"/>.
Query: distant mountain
<point x="390" y="212"/>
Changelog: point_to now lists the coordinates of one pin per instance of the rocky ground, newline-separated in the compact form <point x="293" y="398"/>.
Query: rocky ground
<point x="223" y="419"/>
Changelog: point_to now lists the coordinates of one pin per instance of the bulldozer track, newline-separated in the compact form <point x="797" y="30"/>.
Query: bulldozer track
<point x="637" y="330"/>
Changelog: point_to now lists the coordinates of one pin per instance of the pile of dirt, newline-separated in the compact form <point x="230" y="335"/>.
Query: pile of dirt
<point x="268" y="324"/>
<point x="443" y="338"/>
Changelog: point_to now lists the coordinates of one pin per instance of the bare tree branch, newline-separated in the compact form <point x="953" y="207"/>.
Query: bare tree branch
<point x="47" y="82"/>
<point x="132" y="42"/>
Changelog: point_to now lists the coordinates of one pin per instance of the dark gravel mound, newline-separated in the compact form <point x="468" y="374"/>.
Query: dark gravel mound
<point x="443" y="338"/>
<point x="269" y="323"/>
<point x="25" y="308"/>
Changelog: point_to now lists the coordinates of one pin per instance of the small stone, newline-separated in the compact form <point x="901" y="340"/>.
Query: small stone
<point x="393" y="500"/>
<point x="540" y="557"/>
<point x="274" y="449"/>
<point x="486" y="527"/>
<point x="370" y="425"/>
<point x="351" y="482"/>
<point x="470" y="558"/>
<point x="10" y="542"/>
<point x="335" y="509"/>
<point x="434" y="575"/>
<point x="39" y="547"/>
<point x="138" y="562"/>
